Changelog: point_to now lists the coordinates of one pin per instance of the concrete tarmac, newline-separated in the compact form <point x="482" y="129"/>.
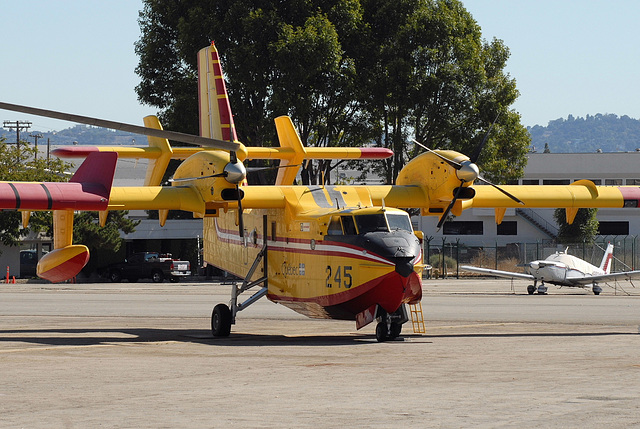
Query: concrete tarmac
<point x="141" y="355"/>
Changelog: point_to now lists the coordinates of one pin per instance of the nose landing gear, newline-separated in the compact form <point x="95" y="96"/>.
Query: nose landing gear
<point x="389" y="326"/>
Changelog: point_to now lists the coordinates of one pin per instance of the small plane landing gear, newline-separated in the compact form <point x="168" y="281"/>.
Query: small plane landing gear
<point x="531" y="289"/>
<point x="221" y="321"/>
<point x="596" y="289"/>
<point x="389" y="326"/>
<point x="542" y="289"/>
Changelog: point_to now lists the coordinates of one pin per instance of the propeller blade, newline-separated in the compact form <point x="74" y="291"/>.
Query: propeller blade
<point x="186" y="179"/>
<point x="478" y="150"/>
<point x="171" y="135"/>
<point x="514" y="198"/>
<point x="240" y="217"/>
<point x="451" y="162"/>
<point x="274" y="167"/>
<point x="443" y="218"/>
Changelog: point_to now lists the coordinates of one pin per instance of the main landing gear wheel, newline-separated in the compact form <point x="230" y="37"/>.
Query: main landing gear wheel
<point x="384" y="332"/>
<point x="531" y="289"/>
<point x="221" y="321"/>
<point x="381" y="332"/>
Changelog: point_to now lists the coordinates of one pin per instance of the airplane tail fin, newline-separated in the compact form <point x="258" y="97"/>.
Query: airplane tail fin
<point x="605" y="265"/>
<point x="99" y="168"/>
<point x="157" y="166"/>
<point x="216" y="119"/>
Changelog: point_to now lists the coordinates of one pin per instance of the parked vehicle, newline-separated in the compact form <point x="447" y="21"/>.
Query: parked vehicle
<point x="149" y="265"/>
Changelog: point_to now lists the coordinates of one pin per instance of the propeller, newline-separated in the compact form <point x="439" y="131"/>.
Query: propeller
<point x="467" y="171"/>
<point x="153" y="132"/>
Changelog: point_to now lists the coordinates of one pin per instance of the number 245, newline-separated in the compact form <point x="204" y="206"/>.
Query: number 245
<point x="341" y="278"/>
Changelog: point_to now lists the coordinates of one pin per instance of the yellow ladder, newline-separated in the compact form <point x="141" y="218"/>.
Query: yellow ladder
<point x="417" y="319"/>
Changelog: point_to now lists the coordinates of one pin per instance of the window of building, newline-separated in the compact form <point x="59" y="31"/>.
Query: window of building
<point x="463" y="228"/>
<point x="633" y="182"/>
<point x="613" y="182"/>
<point x="508" y="227"/>
<point x="595" y="181"/>
<point x="555" y="182"/>
<point x="530" y="182"/>
<point x="614" y="228"/>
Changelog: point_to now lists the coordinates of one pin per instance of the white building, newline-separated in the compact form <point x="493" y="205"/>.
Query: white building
<point x="477" y="227"/>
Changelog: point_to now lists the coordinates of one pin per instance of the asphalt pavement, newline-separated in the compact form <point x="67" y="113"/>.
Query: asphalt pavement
<point x="141" y="355"/>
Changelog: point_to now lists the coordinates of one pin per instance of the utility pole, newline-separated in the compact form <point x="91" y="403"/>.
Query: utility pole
<point x="36" y="137"/>
<point x="18" y="126"/>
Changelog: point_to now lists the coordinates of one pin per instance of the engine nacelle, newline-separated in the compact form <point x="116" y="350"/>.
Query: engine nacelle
<point x="199" y="167"/>
<point x="437" y="178"/>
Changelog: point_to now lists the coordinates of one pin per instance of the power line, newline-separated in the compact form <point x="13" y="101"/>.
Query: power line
<point x="18" y="126"/>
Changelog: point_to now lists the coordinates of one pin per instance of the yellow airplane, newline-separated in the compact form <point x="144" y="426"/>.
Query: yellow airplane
<point x="342" y="252"/>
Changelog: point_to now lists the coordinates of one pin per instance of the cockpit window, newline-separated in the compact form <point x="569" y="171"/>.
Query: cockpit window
<point x="334" y="227"/>
<point x="348" y="225"/>
<point x="371" y="223"/>
<point x="399" y="221"/>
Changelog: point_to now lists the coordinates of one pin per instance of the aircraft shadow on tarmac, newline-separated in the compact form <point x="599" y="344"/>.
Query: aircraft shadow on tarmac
<point x="90" y="337"/>
<point x="95" y="336"/>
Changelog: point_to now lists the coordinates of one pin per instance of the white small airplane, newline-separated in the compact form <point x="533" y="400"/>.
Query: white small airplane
<point x="563" y="269"/>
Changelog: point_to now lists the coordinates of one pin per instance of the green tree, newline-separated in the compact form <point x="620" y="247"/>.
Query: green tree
<point x="20" y="164"/>
<point x="347" y="72"/>
<point x="101" y="240"/>
<point x="583" y="229"/>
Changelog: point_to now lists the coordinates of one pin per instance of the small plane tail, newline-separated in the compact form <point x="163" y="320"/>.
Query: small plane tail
<point x="605" y="265"/>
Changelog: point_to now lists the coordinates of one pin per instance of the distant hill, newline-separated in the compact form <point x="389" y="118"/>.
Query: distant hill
<point x="84" y="135"/>
<point x="608" y="133"/>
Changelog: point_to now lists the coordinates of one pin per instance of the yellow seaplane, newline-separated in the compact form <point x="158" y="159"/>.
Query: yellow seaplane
<point x="341" y="252"/>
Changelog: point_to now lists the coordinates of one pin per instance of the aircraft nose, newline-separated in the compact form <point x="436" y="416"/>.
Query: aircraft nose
<point x="404" y="266"/>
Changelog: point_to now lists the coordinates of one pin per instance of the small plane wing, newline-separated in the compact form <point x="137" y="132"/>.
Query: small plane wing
<point x="603" y="278"/>
<point x="498" y="273"/>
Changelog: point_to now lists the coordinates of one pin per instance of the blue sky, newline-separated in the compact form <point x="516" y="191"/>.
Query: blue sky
<point x="568" y="57"/>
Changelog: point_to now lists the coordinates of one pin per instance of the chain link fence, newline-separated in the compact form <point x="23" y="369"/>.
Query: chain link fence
<point x="452" y="253"/>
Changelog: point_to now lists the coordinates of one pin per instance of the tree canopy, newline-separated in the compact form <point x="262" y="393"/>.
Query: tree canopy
<point x="20" y="164"/>
<point x="583" y="229"/>
<point x="350" y="72"/>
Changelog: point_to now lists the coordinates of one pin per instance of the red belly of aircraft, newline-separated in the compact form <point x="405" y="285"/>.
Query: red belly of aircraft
<point x="389" y="291"/>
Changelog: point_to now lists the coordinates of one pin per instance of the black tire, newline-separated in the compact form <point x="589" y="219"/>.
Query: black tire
<point x="221" y="321"/>
<point x="381" y="332"/>
<point x="531" y="289"/>
<point x="115" y="276"/>
<point x="396" y="329"/>
<point x="157" y="276"/>
<point x="174" y="279"/>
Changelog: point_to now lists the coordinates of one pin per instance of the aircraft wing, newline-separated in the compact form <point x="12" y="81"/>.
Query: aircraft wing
<point x="603" y="278"/>
<point x="498" y="273"/>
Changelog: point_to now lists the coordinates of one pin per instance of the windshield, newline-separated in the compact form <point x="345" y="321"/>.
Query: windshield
<point x="371" y="223"/>
<point x="399" y="221"/>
